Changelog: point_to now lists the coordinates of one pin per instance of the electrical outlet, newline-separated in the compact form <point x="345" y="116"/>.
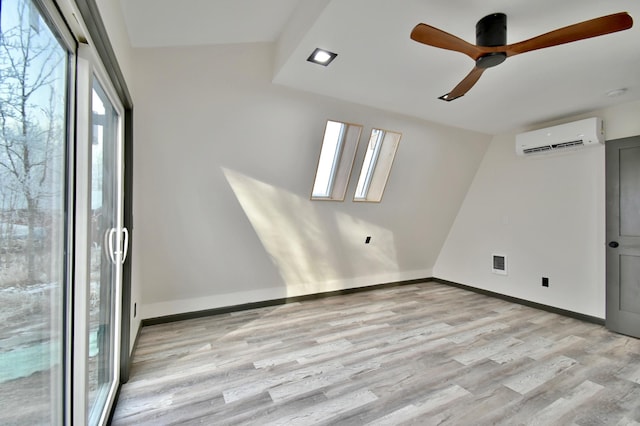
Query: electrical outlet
<point x="367" y="240"/>
<point x="545" y="282"/>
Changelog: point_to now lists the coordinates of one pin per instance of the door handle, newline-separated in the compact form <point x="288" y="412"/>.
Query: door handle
<point x="613" y="244"/>
<point x="110" y="250"/>
<point x="125" y="248"/>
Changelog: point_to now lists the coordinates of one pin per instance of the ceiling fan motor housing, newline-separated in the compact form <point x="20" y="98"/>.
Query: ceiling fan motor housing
<point x="491" y="31"/>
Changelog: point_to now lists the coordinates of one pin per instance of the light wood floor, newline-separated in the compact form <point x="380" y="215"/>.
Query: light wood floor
<point x="417" y="354"/>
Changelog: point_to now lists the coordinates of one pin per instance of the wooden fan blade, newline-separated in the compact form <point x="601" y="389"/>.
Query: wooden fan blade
<point x="426" y="34"/>
<point x="464" y="86"/>
<point x="583" y="30"/>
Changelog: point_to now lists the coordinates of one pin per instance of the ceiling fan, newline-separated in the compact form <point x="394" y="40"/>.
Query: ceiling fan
<point x="491" y="46"/>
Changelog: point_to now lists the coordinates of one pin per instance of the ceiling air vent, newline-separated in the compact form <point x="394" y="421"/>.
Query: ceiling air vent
<point x="499" y="264"/>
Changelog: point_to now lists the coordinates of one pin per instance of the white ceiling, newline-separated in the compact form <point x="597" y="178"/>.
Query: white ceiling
<point x="380" y="66"/>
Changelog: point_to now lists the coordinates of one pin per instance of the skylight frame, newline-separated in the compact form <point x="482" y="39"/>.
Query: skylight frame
<point x="377" y="165"/>
<point x="329" y="161"/>
<point x="334" y="168"/>
<point x="369" y="163"/>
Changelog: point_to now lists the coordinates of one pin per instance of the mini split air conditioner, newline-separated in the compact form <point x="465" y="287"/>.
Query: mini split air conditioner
<point x="578" y="134"/>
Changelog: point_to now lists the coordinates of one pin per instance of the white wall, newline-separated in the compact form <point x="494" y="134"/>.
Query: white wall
<point x="224" y="163"/>
<point x="113" y="19"/>
<point x="547" y="214"/>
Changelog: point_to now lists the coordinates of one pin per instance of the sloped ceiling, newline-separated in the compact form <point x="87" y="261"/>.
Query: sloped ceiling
<point x="380" y="66"/>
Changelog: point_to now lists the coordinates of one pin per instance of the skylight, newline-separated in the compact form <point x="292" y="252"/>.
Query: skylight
<point x="376" y="167"/>
<point x="339" y="146"/>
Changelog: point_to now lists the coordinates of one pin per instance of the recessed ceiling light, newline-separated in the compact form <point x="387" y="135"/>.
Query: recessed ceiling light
<point x="322" y="57"/>
<point x="617" y="92"/>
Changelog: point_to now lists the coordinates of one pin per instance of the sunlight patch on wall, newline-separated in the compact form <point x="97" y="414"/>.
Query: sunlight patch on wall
<point x="310" y="249"/>
<point x="377" y="256"/>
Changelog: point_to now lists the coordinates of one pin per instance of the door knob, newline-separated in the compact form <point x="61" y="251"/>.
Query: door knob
<point x="613" y="244"/>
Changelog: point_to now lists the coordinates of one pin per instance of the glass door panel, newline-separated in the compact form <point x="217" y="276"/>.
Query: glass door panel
<point x="100" y="241"/>
<point x="103" y="262"/>
<point x="34" y="76"/>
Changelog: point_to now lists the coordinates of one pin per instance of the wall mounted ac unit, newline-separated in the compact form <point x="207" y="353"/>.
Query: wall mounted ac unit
<point x="578" y="134"/>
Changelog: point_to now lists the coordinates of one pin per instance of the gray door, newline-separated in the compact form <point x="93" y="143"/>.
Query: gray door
<point x="623" y="235"/>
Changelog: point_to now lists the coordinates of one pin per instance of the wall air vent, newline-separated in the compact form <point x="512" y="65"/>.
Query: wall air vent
<point x="499" y="264"/>
<point x="567" y="144"/>
<point x="537" y="149"/>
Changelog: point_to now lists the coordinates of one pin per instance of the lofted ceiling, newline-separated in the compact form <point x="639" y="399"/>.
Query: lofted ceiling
<point x="380" y="66"/>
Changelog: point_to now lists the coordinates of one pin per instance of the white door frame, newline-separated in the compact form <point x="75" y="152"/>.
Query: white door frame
<point x="89" y="67"/>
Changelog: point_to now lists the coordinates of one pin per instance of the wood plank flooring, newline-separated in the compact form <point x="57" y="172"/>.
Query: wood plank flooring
<point x="418" y="354"/>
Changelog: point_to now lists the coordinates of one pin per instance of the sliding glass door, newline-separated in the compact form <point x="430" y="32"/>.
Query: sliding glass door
<point x="35" y="91"/>
<point x="104" y="258"/>
<point x="62" y="239"/>
<point x="101" y="248"/>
